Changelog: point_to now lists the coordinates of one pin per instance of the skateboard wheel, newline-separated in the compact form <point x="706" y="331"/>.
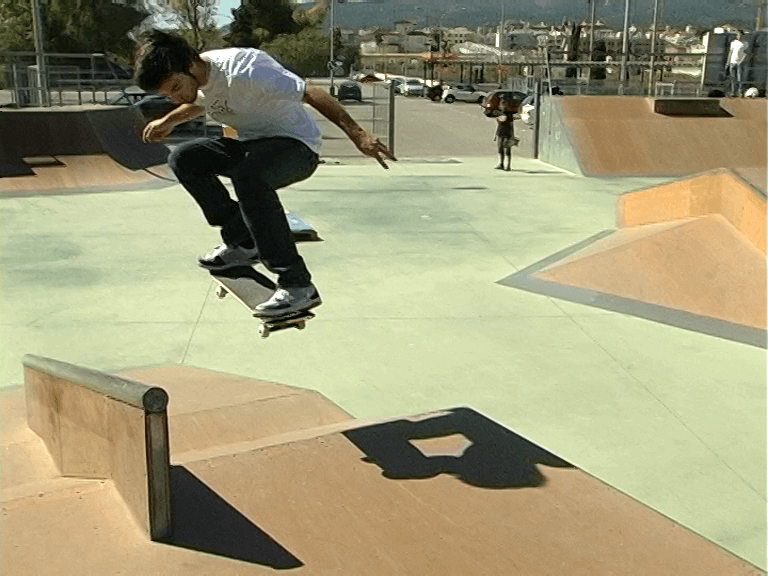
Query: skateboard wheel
<point x="301" y="325"/>
<point x="263" y="331"/>
<point x="221" y="292"/>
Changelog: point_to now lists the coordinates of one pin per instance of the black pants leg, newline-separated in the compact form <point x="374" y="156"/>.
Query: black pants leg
<point x="257" y="169"/>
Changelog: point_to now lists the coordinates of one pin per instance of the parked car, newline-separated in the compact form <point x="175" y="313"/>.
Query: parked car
<point x="349" y="91"/>
<point x="465" y="92"/>
<point x="412" y="87"/>
<point x="508" y="94"/>
<point x="397" y="83"/>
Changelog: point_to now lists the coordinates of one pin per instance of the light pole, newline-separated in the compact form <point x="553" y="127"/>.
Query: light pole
<point x="652" y="79"/>
<point x="624" y="47"/>
<point x="592" y="29"/>
<point x="331" y="63"/>
<point x="501" y="39"/>
<point x="39" y="37"/>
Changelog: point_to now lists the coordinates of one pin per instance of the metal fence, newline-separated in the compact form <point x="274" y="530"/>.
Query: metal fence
<point x="382" y="97"/>
<point x="66" y="79"/>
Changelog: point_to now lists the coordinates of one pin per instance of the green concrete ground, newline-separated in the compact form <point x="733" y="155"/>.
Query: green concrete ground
<point x="413" y="321"/>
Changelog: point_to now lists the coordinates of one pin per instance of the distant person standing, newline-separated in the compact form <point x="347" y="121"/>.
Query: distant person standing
<point x="737" y="56"/>
<point x="505" y="132"/>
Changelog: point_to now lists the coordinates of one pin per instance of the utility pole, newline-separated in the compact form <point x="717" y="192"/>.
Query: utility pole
<point x="331" y="63"/>
<point x="592" y="30"/>
<point x="501" y="39"/>
<point x="42" y="70"/>
<point x="624" y="47"/>
<point x="762" y="7"/>
<point x="652" y="79"/>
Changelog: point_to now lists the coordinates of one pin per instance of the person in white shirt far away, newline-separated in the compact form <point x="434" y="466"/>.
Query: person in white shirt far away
<point x="737" y="56"/>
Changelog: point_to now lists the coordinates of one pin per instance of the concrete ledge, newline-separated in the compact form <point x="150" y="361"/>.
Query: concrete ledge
<point x="100" y="426"/>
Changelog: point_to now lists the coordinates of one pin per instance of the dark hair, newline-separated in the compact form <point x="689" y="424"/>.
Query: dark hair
<point x="159" y="55"/>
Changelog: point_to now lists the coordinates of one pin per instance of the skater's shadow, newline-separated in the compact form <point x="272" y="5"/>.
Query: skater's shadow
<point x="491" y="457"/>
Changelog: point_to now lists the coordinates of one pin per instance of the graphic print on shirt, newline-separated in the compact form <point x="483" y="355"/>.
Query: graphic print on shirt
<point x="219" y="108"/>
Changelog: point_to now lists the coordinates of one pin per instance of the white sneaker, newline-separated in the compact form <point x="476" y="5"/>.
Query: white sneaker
<point x="223" y="257"/>
<point x="286" y="301"/>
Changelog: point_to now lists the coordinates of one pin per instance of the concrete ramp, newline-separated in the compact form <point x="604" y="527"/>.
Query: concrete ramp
<point x="276" y="477"/>
<point x="75" y="131"/>
<point x="689" y="253"/>
<point x="625" y="136"/>
<point x="701" y="266"/>
<point x="93" y="173"/>
<point x="212" y="411"/>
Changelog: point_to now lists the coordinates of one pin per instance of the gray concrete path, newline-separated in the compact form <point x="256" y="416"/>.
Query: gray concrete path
<point x="413" y="320"/>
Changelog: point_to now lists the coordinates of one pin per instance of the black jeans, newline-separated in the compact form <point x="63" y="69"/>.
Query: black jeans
<point x="257" y="168"/>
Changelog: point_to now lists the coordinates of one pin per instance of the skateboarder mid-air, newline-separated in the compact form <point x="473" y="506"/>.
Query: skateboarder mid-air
<point x="278" y="144"/>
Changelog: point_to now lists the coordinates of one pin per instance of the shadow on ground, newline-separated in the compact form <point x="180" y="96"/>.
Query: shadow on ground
<point x="205" y="522"/>
<point x="493" y="457"/>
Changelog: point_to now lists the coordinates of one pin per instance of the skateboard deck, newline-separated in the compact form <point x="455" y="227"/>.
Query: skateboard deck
<point x="251" y="288"/>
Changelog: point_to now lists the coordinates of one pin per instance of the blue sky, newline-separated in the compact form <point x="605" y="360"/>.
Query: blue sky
<point x="225" y="11"/>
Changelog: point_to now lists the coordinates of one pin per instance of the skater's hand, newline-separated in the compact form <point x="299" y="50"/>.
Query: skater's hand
<point x="156" y="131"/>
<point x="371" y="146"/>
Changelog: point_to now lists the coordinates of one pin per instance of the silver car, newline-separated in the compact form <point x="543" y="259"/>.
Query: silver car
<point x="465" y="92"/>
<point x="412" y="87"/>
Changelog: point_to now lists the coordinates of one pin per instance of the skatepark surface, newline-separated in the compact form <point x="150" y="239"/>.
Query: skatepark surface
<point x="416" y="319"/>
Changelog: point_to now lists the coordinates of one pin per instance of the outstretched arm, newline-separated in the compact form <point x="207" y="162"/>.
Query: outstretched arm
<point x="160" y="129"/>
<point x="329" y="107"/>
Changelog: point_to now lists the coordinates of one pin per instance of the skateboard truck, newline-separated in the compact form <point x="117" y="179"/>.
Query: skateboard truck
<point x="269" y="325"/>
<point x="251" y="288"/>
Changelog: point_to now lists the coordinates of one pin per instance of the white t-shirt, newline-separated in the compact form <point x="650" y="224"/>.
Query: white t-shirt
<point x="737" y="53"/>
<point x="250" y="91"/>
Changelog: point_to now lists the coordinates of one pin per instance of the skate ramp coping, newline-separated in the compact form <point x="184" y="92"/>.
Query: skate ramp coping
<point x="96" y="425"/>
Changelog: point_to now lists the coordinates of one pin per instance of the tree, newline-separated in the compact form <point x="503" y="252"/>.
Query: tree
<point x="305" y="53"/>
<point x="16" y="32"/>
<point x="572" y="34"/>
<point x="91" y="26"/>
<point x="259" y="21"/>
<point x="349" y="55"/>
<point x="77" y="26"/>
<point x="196" y="22"/>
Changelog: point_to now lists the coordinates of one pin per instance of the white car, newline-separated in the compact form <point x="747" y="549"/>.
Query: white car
<point x="412" y="87"/>
<point x="465" y="92"/>
<point x="528" y="109"/>
<point x="398" y="84"/>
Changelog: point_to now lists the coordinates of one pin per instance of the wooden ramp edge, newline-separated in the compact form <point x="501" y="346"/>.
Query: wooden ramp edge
<point x="719" y="191"/>
<point x="449" y="492"/>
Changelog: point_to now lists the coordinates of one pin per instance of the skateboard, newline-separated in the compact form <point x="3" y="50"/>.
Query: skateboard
<point x="251" y="288"/>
